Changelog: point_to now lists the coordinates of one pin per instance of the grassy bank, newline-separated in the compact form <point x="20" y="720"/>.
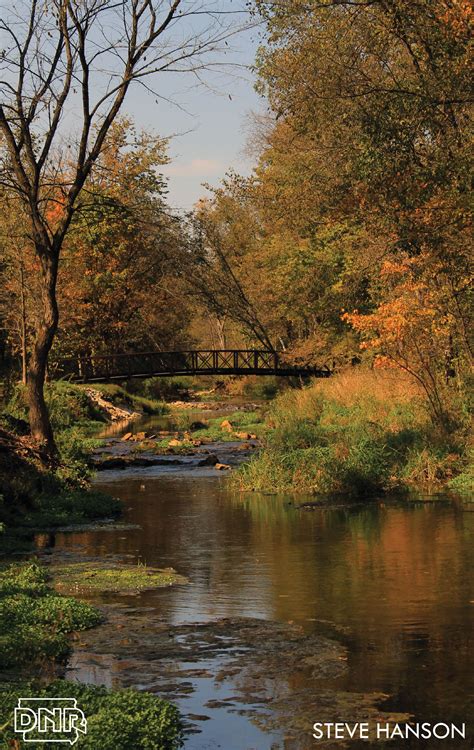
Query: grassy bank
<point x="75" y="417"/>
<point x="357" y="434"/>
<point x="34" y="496"/>
<point x="70" y="407"/>
<point x="128" y="398"/>
<point x="35" y="624"/>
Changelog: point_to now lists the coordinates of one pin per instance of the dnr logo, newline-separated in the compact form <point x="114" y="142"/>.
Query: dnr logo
<point x="49" y="720"/>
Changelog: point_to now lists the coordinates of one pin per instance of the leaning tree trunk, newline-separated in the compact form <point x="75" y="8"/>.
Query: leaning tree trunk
<point x="40" y="423"/>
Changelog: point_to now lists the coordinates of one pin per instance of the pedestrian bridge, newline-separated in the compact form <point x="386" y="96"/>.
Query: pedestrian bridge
<point x="108" y="367"/>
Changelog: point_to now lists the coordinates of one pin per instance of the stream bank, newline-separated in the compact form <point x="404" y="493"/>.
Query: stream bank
<point x="362" y="602"/>
<point x="288" y="617"/>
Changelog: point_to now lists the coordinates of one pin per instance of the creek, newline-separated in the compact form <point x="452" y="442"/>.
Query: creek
<point x="388" y="582"/>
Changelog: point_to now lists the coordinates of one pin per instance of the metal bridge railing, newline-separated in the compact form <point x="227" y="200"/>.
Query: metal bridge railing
<point x="105" y="367"/>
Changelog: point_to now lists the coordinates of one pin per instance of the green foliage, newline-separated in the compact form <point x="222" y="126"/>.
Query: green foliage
<point x="87" y="577"/>
<point x="34" y="620"/>
<point x="116" y="720"/>
<point x="68" y="405"/>
<point x="73" y="417"/>
<point x="37" y="497"/>
<point x="70" y="506"/>
<point x="34" y="623"/>
<point x="163" y="389"/>
<point x="464" y="482"/>
<point x="25" y="579"/>
<point x="75" y="449"/>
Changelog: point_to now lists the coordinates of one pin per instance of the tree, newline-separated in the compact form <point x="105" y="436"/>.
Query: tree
<point x="65" y="71"/>
<point x="412" y="329"/>
<point x="363" y="166"/>
<point x="372" y="108"/>
<point x="219" y="239"/>
<point x="118" y="286"/>
<point x="18" y="271"/>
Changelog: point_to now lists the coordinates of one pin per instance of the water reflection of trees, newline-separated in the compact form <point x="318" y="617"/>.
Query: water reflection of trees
<point x="397" y="577"/>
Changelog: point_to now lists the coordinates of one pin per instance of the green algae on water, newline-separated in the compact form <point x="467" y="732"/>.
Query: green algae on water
<point x="99" y="578"/>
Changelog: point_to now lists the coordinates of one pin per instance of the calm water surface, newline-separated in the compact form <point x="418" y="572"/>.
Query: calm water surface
<point x="393" y="581"/>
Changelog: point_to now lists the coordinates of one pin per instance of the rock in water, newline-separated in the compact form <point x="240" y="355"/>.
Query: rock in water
<point x="210" y="460"/>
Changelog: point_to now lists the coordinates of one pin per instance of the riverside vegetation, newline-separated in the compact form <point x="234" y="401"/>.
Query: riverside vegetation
<point x="37" y="496"/>
<point x="36" y="621"/>
<point x="349" y="243"/>
<point x="361" y="432"/>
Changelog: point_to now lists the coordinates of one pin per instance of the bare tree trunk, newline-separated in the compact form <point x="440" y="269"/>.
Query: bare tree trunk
<point x="23" y="323"/>
<point x="220" y="327"/>
<point x="40" y="423"/>
<point x="45" y="64"/>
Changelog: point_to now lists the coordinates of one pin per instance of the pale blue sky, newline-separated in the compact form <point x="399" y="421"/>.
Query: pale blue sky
<point x="209" y="121"/>
<point x="210" y="135"/>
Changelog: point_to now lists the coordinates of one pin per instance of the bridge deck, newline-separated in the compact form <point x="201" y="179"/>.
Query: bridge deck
<point x="108" y="367"/>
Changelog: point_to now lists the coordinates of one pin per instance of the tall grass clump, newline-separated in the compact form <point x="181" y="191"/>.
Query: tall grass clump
<point x="359" y="433"/>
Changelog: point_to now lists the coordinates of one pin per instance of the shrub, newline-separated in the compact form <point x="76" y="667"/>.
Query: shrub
<point x="75" y="449"/>
<point x="34" y="620"/>
<point x="167" y="389"/>
<point x="116" y="720"/>
<point x="464" y="482"/>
